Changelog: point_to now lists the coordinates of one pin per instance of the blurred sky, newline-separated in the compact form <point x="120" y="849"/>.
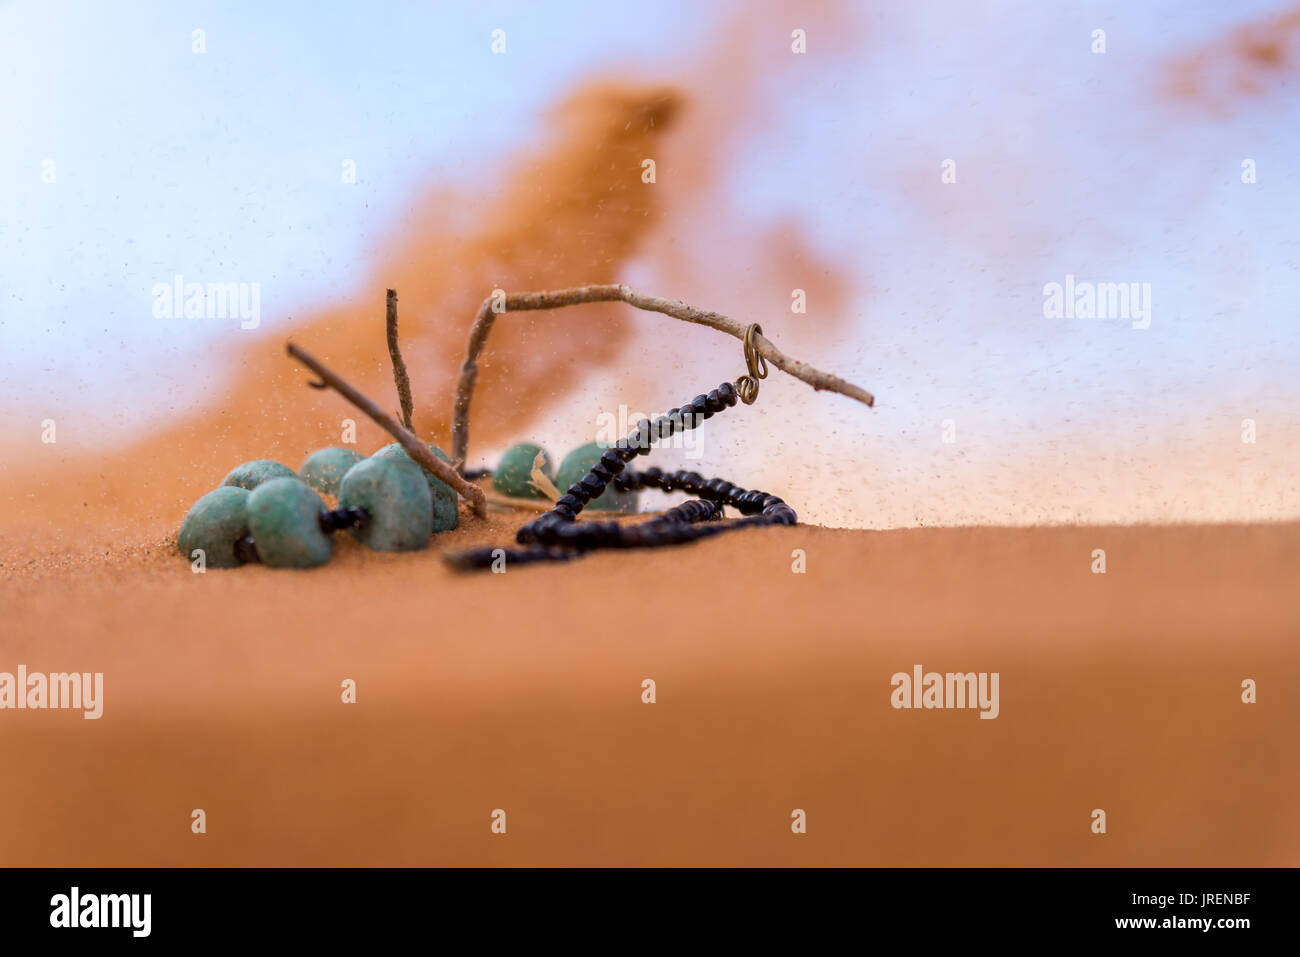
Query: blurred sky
<point x="226" y="166"/>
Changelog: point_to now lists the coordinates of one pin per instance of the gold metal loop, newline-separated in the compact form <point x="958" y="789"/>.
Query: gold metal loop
<point x="747" y="385"/>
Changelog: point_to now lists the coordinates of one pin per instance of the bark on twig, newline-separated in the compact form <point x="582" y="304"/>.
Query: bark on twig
<point x="526" y="301"/>
<point x="416" y="449"/>
<point x="400" y="378"/>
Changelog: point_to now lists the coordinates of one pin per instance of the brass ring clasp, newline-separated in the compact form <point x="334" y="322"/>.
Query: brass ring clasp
<point x="747" y="385"/>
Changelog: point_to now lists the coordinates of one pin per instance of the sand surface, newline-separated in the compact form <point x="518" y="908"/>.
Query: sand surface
<point x="523" y="692"/>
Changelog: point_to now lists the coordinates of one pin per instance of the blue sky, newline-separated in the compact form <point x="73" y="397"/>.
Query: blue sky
<point x="228" y="163"/>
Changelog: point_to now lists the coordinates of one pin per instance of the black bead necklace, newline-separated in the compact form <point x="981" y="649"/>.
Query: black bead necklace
<point x="334" y="519"/>
<point x="556" y="536"/>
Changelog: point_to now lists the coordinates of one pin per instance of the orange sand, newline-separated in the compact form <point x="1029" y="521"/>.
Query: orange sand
<point x="523" y="692"/>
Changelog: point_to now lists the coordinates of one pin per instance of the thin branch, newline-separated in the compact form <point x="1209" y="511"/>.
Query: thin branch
<point x="400" y="378"/>
<point x="525" y="301"/>
<point x="527" y="504"/>
<point x="539" y="480"/>
<point x="408" y="439"/>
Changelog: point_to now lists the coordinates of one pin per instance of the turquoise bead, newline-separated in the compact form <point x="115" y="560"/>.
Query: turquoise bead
<point x="577" y="464"/>
<point x="446" y="513"/>
<point x="214" y="524"/>
<point x="284" y="517"/>
<point x="513" y="474"/>
<point x="398" y="499"/>
<point x="324" y="469"/>
<point x="252" y="474"/>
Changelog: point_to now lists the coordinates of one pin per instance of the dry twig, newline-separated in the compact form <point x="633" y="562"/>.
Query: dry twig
<point x="527" y="504"/>
<point x="416" y="449"/>
<point x="400" y="378"/>
<point x="538" y="480"/>
<point x="525" y="301"/>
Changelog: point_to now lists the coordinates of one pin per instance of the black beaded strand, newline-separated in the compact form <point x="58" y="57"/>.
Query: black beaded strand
<point x="614" y="460"/>
<point x="677" y="526"/>
<point x="339" y="518"/>
<point x="555" y="536"/>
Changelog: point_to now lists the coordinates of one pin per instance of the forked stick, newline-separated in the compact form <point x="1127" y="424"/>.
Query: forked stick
<point x="525" y="301"/>
<point x="416" y="449"/>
